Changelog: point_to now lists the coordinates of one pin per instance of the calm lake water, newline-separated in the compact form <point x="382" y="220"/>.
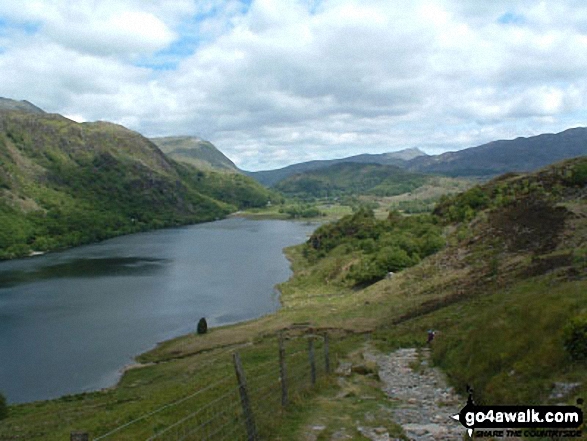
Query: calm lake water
<point x="70" y="321"/>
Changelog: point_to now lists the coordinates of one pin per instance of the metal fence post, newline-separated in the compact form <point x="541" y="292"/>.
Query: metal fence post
<point x="312" y="359"/>
<point x="282" y="372"/>
<point x="326" y="354"/>
<point x="79" y="436"/>
<point x="245" y="402"/>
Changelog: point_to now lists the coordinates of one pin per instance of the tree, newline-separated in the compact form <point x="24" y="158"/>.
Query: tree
<point x="3" y="407"/>
<point x="202" y="326"/>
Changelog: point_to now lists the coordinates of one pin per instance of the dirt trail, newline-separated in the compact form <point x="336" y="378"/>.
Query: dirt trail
<point x="415" y="396"/>
<point x="424" y="402"/>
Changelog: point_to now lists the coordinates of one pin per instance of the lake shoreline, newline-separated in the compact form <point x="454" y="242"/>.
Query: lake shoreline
<point x="251" y="296"/>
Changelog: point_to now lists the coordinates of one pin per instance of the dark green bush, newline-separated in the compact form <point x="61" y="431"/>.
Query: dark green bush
<point x="578" y="175"/>
<point x="202" y="326"/>
<point x="304" y="211"/>
<point x="575" y="337"/>
<point x="3" y="407"/>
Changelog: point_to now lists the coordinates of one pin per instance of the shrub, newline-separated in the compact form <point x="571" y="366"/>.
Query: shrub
<point x="3" y="407"/>
<point x="578" y="175"/>
<point x="202" y="326"/>
<point x="575" y="337"/>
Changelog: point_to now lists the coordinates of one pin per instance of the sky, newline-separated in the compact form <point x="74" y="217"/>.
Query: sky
<point x="276" y="82"/>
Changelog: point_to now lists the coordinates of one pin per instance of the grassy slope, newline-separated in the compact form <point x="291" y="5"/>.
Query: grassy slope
<point x="63" y="184"/>
<point x="502" y="292"/>
<point x="498" y="294"/>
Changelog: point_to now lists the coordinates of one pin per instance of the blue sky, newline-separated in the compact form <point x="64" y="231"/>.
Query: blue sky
<point x="277" y="82"/>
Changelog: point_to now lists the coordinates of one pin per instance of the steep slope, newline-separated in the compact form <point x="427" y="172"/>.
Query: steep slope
<point x="349" y="178"/>
<point x="195" y="151"/>
<point x="497" y="157"/>
<point x="23" y="106"/>
<point x="64" y="183"/>
<point x="272" y="177"/>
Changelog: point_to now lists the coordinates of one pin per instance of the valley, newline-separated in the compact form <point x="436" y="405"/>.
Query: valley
<point x="496" y="267"/>
<point x="305" y="220"/>
<point x="492" y="281"/>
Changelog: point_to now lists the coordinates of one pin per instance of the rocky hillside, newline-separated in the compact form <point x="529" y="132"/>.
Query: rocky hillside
<point x="195" y="151"/>
<point x="63" y="183"/>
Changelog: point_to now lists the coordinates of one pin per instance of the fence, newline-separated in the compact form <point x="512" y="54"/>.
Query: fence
<point x="243" y="401"/>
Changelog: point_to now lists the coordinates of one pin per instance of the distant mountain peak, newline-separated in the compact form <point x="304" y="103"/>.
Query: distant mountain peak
<point x="23" y="106"/>
<point x="406" y="154"/>
<point x="195" y="151"/>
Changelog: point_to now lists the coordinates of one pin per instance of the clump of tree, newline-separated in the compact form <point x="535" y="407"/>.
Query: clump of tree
<point x="416" y="206"/>
<point x="463" y="207"/>
<point x="296" y="211"/>
<point x="360" y="225"/>
<point x="383" y="246"/>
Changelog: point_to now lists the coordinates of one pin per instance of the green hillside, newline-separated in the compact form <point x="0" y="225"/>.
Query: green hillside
<point x="351" y="179"/>
<point x="63" y="184"/>
<point x="508" y="292"/>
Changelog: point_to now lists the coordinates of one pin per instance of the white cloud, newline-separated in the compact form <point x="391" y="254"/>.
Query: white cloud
<point x="276" y="82"/>
<point x="126" y="32"/>
<point x="101" y="28"/>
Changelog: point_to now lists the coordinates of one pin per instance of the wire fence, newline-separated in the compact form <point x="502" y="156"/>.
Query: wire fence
<point x="243" y="401"/>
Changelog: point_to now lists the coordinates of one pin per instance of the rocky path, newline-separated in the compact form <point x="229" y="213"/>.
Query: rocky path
<point x="424" y="402"/>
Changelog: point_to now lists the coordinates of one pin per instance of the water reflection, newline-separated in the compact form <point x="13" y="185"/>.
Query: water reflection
<point x="85" y="268"/>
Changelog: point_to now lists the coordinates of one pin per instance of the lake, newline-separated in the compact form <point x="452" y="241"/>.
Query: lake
<point x="70" y="321"/>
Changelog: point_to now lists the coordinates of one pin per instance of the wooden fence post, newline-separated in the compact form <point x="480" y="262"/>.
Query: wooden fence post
<point x="312" y="359"/>
<point x="326" y="354"/>
<point x="79" y="436"/>
<point x="282" y="372"/>
<point x="245" y="402"/>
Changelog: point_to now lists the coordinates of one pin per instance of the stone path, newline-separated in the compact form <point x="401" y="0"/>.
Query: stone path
<point x="424" y="402"/>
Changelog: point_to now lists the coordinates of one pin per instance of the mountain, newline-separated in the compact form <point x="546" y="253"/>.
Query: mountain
<point x="23" y="106"/>
<point x="195" y="151"/>
<point x="350" y="178"/>
<point x="497" y="157"/>
<point x="484" y="161"/>
<point x="64" y="183"/>
<point x="271" y="177"/>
